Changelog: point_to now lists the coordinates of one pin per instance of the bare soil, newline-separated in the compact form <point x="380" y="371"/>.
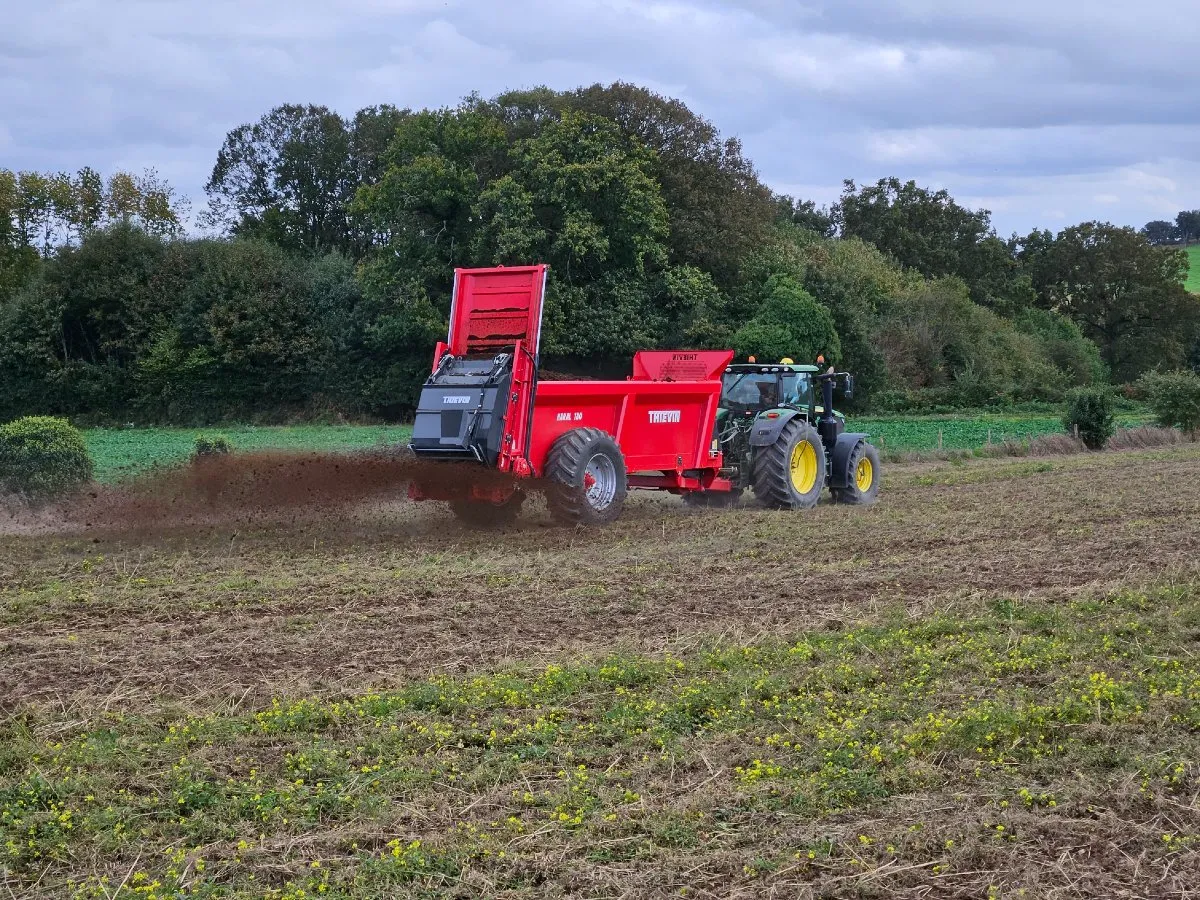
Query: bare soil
<point x="297" y="577"/>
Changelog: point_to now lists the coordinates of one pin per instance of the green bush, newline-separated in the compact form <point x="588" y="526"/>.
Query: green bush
<point x="1090" y="412"/>
<point x="789" y="323"/>
<point x="42" y="457"/>
<point x="210" y="445"/>
<point x="1174" y="397"/>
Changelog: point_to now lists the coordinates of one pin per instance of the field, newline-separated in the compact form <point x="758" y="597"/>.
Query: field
<point x="119" y="453"/>
<point x="1193" y="280"/>
<point x="986" y="686"/>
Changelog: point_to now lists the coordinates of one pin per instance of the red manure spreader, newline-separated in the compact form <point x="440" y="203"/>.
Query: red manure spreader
<point x="685" y="421"/>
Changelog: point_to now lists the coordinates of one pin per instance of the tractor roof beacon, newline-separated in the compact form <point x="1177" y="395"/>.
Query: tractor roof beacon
<point x="685" y="421"/>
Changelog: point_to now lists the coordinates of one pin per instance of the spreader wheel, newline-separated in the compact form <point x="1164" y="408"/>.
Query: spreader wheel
<point x="790" y="474"/>
<point x="587" y="478"/>
<point x="484" y="514"/>
<point x="863" y="477"/>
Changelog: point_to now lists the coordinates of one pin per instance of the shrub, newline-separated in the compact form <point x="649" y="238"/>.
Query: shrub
<point x="210" y="445"/>
<point x="789" y="323"/>
<point x="42" y="457"/>
<point x="1143" y="437"/>
<point x="1174" y="397"/>
<point x="1090" y="412"/>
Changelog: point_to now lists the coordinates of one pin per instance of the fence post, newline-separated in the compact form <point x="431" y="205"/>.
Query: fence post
<point x="939" y="439"/>
<point x="989" y="443"/>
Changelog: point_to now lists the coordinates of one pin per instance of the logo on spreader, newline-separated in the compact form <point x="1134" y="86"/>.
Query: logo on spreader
<point x="456" y="398"/>
<point x="664" y="416"/>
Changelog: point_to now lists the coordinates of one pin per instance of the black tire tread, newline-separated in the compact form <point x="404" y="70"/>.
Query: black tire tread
<point x="564" y="465"/>
<point x="770" y="473"/>
<point x="850" y="495"/>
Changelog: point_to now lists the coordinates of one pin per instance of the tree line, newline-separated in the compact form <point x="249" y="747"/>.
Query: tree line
<point x="326" y="279"/>
<point x="1185" y="229"/>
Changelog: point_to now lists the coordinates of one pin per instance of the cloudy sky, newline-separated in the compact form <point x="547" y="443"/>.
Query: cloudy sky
<point x="1047" y="112"/>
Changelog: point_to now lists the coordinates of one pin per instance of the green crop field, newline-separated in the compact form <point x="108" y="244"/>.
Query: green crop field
<point x="961" y="433"/>
<point x="1193" y="279"/>
<point x="120" y="453"/>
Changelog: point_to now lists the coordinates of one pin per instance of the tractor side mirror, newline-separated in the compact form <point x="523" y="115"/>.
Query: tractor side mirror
<point x="849" y="390"/>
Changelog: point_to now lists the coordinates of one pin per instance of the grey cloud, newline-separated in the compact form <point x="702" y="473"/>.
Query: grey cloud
<point x="1045" y="111"/>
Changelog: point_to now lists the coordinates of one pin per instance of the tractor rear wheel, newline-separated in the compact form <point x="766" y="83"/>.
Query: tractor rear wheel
<point x="790" y="474"/>
<point x="863" y="477"/>
<point x="588" y="481"/>
<point x="483" y="514"/>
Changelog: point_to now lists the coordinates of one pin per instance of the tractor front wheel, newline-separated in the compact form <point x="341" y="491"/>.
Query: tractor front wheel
<point x="863" y="477"/>
<point x="588" y="481"/>
<point x="790" y="474"/>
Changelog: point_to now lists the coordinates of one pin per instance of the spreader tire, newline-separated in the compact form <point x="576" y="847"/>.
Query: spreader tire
<point x="482" y="514"/>
<point x="863" y="477"/>
<point x="790" y="474"/>
<point x="587" y="476"/>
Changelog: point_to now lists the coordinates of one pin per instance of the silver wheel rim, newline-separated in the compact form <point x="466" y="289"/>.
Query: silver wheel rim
<point x="602" y="475"/>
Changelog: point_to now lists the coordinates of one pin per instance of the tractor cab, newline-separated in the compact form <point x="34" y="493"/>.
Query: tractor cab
<point x="750" y="389"/>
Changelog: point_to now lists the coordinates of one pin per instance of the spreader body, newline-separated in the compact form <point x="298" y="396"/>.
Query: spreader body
<point x="484" y="403"/>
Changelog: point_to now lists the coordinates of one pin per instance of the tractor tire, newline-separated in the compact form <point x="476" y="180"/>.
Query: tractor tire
<point x="790" y="474"/>
<point x="587" y="476"/>
<point x="712" y="499"/>
<point x="482" y="514"/>
<point x="864" y="476"/>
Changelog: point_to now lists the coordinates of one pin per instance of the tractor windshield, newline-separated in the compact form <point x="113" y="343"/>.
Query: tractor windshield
<point x="765" y="390"/>
<point x="750" y="390"/>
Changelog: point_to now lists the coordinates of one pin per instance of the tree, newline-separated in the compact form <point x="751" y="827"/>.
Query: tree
<point x="805" y="214"/>
<point x="790" y="323"/>
<point x="576" y="193"/>
<point x="290" y="176"/>
<point x="18" y="259"/>
<point x="1124" y="293"/>
<point x="719" y="210"/>
<point x="1187" y="224"/>
<point x="929" y="232"/>
<point x="422" y="210"/>
<point x="924" y="230"/>
<point x="43" y="212"/>
<point x="1160" y="232"/>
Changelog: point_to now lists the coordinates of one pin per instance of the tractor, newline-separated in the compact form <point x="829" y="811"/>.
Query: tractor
<point x="780" y="437"/>
<point x="685" y="421"/>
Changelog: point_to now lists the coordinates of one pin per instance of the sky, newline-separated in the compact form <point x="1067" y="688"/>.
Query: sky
<point x="1046" y="112"/>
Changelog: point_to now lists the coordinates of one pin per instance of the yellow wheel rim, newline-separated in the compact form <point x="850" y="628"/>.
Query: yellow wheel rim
<point x="803" y="467"/>
<point x="864" y="475"/>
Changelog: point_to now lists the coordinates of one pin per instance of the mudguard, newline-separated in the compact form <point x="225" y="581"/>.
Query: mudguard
<point x="766" y="431"/>
<point x="845" y="445"/>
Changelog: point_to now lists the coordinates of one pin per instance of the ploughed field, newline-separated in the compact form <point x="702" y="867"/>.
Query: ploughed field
<point x="987" y="685"/>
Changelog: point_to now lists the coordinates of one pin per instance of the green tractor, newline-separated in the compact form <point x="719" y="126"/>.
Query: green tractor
<point x="786" y="443"/>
